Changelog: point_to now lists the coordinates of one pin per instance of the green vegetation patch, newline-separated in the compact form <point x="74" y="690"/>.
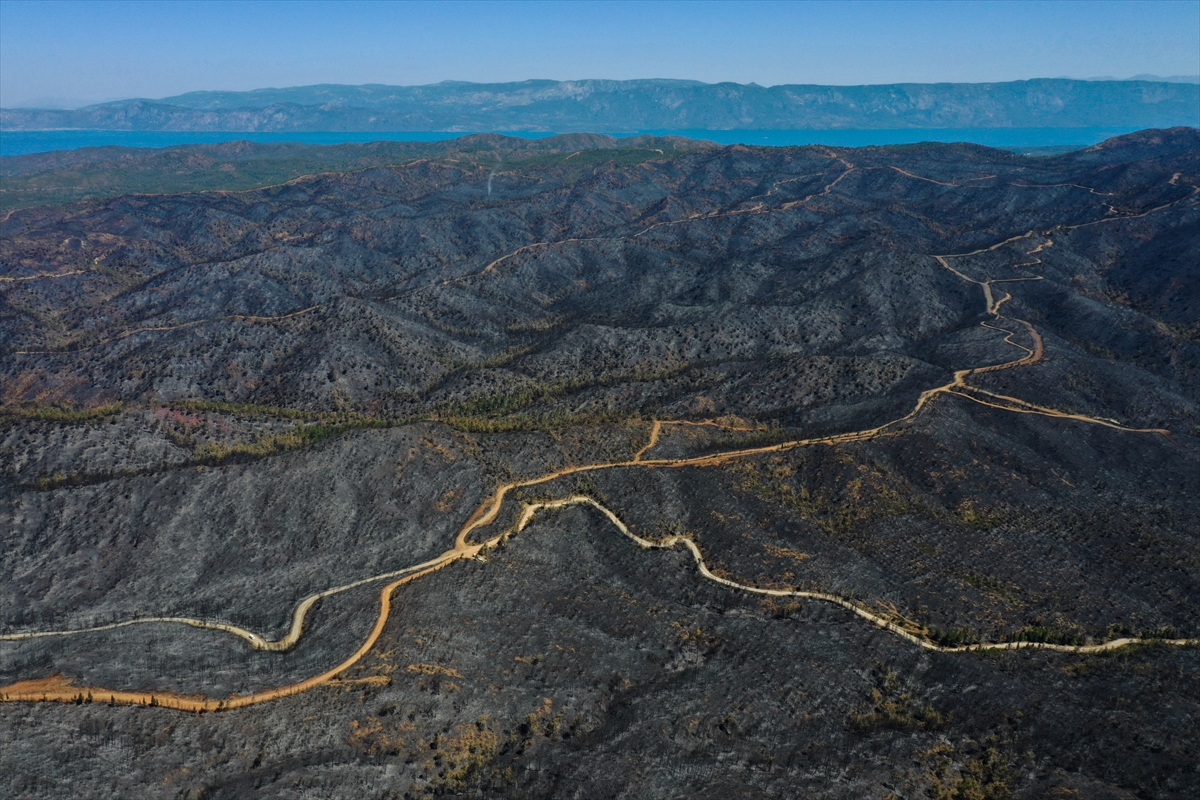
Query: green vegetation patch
<point x="269" y="444"/>
<point x="1045" y="634"/>
<point x="492" y="412"/>
<point x="892" y="706"/>
<point x="58" y="413"/>
<point x="551" y="421"/>
<point x="869" y="491"/>
<point x="251" y="410"/>
<point x="967" y="770"/>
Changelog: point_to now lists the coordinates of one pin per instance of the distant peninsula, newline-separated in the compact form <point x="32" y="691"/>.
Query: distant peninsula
<point x="640" y="105"/>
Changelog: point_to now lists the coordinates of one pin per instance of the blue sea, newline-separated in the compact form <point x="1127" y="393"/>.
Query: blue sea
<point x="14" y="143"/>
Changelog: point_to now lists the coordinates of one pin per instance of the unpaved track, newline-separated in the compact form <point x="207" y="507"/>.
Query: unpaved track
<point x="43" y="275"/>
<point x="656" y="431"/>
<point x="60" y="689"/>
<point x="904" y="631"/>
<point x="488" y="269"/>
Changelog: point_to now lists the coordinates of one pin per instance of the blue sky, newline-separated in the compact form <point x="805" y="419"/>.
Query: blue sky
<point x="78" y="52"/>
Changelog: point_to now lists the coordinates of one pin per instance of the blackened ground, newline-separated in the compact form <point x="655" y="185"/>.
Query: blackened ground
<point x="220" y="403"/>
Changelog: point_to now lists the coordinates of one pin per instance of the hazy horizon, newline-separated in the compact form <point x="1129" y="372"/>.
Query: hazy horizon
<point x="71" y="54"/>
<point x="66" y="105"/>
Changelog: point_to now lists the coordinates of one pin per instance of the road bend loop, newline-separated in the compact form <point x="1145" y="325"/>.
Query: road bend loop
<point x="59" y="688"/>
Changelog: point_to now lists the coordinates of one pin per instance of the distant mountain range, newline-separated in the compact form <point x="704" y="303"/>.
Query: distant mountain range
<point x="640" y="105"/>
<point x="1149" y="77"/>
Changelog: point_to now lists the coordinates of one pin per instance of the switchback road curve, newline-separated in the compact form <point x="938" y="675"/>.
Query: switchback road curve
<point x="58" y="688"/>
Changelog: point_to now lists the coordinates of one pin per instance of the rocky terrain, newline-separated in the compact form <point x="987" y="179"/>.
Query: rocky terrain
<point x="216" y="404"/>
<point x="641" y="105"/>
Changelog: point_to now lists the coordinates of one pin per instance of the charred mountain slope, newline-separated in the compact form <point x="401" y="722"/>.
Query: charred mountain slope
<point x="95" y="173"/>
<point x="217" y="404"/>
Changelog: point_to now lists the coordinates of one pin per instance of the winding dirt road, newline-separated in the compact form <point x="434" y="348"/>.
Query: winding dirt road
<point x="488" y="269"/>
<point x="60" y="689"/>
<point x="42" y="276"/>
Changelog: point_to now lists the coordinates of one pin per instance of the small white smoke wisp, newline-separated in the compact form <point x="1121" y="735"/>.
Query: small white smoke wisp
<point x="490" y="176"/>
